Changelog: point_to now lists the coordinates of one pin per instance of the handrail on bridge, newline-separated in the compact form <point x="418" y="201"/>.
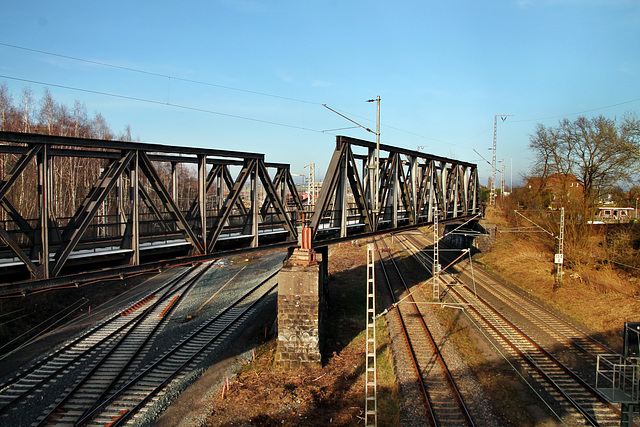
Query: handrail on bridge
<point x="60" y="195"/>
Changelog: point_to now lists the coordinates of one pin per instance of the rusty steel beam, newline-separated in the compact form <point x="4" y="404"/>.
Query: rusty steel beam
<point x="412" y="187"/>
<point x="138" y="199"/>
<point x="129" y="203"/>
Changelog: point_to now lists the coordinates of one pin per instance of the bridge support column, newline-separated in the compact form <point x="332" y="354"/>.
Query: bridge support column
<point x="301" y="306"/>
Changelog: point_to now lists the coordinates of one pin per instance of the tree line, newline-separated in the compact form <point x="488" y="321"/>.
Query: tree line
<point x="25" y="112"/>
<point x="73" y="176"/>
<point x="601" y="156"/>
<point x="602" y="153"/>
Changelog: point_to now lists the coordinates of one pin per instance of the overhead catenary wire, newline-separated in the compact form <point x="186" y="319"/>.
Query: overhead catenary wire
<point x="152" y="73"/>
<point x="151" y="101"/>
<point x="570" y="249"/>
<point x="170" y="77"/>
<point x="199" y="82"/>
<point x="578" y="112"/>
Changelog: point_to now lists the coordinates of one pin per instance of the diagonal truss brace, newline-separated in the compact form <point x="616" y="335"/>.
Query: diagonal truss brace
<point x="88" y="210"/>
<point x="154" y="179"/>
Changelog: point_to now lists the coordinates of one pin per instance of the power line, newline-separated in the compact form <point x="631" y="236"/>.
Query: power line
<point x="199" y="82"/>
<point x="150" y="101"/>
<point x="151" y="73"/>
<point x="169" y="77"/>
<point x="579" y="112"/>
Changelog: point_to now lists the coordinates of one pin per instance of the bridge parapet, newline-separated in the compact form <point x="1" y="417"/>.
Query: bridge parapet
<point x="412" y="186"/>
<point x="68" y="200"/>
<point x="75" y="205"/>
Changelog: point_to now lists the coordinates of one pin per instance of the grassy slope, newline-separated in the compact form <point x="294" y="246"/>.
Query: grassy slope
<point x="593" y="294"/>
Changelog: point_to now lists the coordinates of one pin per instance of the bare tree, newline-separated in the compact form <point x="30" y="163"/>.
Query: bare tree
<point x="100" y="128"/>
<point x="599" y="151"/>
<point x="48" y="112"/>
<point x="79" y="118"/>
<point x="27" y="107"/>
<point x="6" y="107"/>
<point x="126" y="134"/>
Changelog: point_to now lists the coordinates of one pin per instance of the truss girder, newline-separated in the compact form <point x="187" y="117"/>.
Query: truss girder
<point x="154" y="180"/>
<point x="411" y="187"/>
<point x="277" y="202"/>
<point x="88" y="209"/>
<point x="130" y="200"/>
<point x="138" y="198"/>
<point x="229" y="202"/>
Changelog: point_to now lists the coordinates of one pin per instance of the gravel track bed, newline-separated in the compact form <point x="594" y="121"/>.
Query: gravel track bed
<point x="479" y="407"/>
<point x="215" y="291"/>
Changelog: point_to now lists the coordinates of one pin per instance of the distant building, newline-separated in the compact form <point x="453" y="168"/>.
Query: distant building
<point x="610" y="214"/>
<point x="561" y="188"/>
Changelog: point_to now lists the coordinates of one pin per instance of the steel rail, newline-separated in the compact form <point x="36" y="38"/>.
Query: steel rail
<point x="537" y="313"/>
<point x="546" y="319"/>
<point x="183" y="288"/>
<point x="587" y="388"/>
<point x="421" y="385"/>
<point x="433" y="345"/>
<point x="74" y="342"/>
<point x="159" y="365"/>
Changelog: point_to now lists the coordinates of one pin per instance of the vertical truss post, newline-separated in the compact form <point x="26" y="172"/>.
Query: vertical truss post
<point x="444" y="190"/>
<point x="44" y="184"/>
<point x="395" y="188"/>
<point x="174" y="181"/>
<point x="466" y="180"/>
<point x="202" y="197"/>
<point x="457" y="180"/>
<point x="436" y="257"/>
<point x="219" y="191"/>
<point x="432" y="189"/>
<point x="341" y="197"/>
<point x="371" y="184"/>
<point x="254" y="207"/>
<point x="134" y="179"/>
<point x="120" y="215"/>
<point x="371" y="413"/>
<point x="413" y="176"/>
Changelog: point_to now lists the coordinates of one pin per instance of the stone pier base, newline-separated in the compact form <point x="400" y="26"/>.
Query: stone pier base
<point x="301" y="305"/>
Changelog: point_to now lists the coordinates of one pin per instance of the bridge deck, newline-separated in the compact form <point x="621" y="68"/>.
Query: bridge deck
<point x="131" y="196"/>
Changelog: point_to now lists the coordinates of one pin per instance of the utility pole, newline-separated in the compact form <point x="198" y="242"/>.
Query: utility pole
<point x="377" y="174"/>
<point x="502" y="181"/>
<point x="492" y="200"/>
<point x="559" y="258"/>
<point x="312" y="186"/>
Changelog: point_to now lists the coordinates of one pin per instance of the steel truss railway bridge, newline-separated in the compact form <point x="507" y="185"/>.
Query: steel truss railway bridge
<point x="75" y="209"/>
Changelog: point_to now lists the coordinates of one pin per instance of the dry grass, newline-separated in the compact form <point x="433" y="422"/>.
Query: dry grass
<point x="593" y="293"/>
<point x="264" y="395"/>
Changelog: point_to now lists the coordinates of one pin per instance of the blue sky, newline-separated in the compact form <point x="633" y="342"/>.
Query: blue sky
<point x="253" y="75"/>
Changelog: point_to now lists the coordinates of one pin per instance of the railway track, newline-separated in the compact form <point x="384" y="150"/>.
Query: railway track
<point x="74" y="385"/>
<point x="560" y="331"/>
<point x="442" y="399"/>
<point x="575" y="400"/>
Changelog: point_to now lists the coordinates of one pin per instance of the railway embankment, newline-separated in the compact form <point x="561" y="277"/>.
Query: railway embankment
<point x="594" y="292"/>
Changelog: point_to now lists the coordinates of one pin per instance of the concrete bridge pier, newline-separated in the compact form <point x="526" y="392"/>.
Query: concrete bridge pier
<point x="302" y="306"/>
